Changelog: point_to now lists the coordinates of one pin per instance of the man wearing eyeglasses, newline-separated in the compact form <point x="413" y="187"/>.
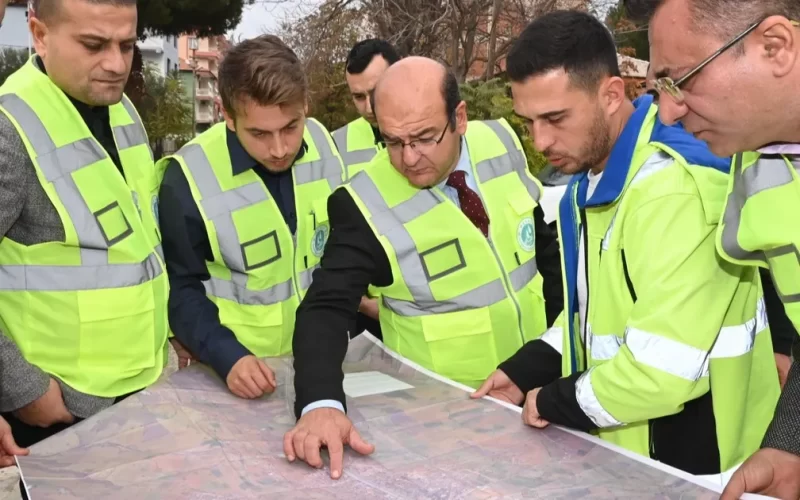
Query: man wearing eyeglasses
<point x="445" y="223"/>
<point x="729" y="70"/>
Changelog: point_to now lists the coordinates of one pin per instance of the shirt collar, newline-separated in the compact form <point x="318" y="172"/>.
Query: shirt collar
<point x="464" y="164"/>
<point x="781" y="148"/>
<point x="241" y="161"/>
<point x="83" y="109"/>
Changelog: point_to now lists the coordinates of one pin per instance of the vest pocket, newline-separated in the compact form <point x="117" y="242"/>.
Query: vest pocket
<point x="461" y="344"/>
<point x="117" y="330"/>
<point x="256" y="327"/>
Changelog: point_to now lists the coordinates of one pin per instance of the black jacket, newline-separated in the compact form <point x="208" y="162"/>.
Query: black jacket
<point x="353" y="260"/>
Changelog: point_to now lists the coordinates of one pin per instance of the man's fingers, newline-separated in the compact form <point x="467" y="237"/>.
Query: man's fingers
<point x="358" y="444"/>
<point x="336" y="452"/>
<point x="250" y="386"/>
<point x="261" y="381"/>
<point x="735" y="488"/>
<point x="484" y="389"/>
<point x="267" y="371"/>
<point x="7" y="462"/>
<point x="312" y="445"/>
<point x="288" y="445"/>
<point x="299" y="444"/>
<point x="10" y="446"/>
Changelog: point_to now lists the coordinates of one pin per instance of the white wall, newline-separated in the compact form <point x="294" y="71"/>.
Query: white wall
<point x="14" y="32"/>
<point x="162" y="52"/>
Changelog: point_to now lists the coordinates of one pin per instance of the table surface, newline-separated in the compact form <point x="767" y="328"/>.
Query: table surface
<point x="189" y="438"/>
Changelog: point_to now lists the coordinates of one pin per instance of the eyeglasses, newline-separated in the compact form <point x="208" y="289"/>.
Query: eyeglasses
<point x="421" y="146"/>
<point x="665" y="85"/>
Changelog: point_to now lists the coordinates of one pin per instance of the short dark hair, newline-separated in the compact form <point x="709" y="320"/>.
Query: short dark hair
<point x="263" y="69"/>
<point x="44" y="10"/>
<point x="724" y="18"/>
<point x="572" y="40"/>
<point x="364" y="51"/>
<point x="452" y="96"/>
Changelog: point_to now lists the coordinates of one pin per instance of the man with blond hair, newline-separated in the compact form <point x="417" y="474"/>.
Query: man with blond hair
<point x="244" y="217"/>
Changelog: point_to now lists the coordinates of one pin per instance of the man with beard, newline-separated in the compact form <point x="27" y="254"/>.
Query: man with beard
<point x="729" y="71"/>
<point x="663" y="347"/>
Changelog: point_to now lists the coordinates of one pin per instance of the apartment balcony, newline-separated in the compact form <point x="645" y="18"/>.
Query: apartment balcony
<point x="204" y="94"/>
<point x="204" y="117"/>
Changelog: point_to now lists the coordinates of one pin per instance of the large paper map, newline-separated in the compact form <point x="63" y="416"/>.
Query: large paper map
<point x="189" y="438"/>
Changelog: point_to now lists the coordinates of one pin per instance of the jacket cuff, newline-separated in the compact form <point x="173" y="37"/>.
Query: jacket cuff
<point x="225" y="355"/>
<point x="535" y="364"/>
<point x="784" y="431"/>
<point x="558" y="404"/>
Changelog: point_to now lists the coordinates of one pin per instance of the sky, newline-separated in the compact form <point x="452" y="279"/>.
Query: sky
<point x="266" y="16"/>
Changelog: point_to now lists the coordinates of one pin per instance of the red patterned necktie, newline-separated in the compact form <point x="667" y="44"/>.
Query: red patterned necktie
<point x="470" y="202"/>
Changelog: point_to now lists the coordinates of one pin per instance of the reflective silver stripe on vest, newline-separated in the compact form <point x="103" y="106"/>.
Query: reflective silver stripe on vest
<point x="57" y="165"/>
<point x="241" y="295"/>
<point x="73" y="278"/>
<point x="305" y="277"/>
<point x="512" y="161"/>
<point x="389" y="223"/>
<point x="767" y="173"/>
<point x="327" y="167"/>
<point x="356" y="156"/>
<point x="219" y="206"/>
<point x="524" y="274"/>
<point x="128" y="136"/>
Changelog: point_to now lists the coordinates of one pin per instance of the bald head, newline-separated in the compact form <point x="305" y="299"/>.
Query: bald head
<point x="415" y="82"/>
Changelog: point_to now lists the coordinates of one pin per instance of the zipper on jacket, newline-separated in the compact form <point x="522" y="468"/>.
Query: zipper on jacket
<point x="508" y="286"/>
<point x="585" y="238"/>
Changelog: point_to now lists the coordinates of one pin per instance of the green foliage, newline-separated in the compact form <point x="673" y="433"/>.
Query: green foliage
<point x="165" y="110"/>
<point x="628" y="34"/>
<point x="10" y="61"/>
<point x="491" y="100"/>
<point x="176" y="17"/>
<point x="322" y="40"/>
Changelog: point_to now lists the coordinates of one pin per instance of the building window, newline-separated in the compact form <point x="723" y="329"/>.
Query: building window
<point x="169" y="65"/>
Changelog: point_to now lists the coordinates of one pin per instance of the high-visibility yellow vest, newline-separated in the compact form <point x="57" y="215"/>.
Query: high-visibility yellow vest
<point x="649" y="347"/>
<point x="90" y="310"/>
<point x="261" y="271"/>
<point x="459" y="303"/>
<point x="760" y="225"/>
<point x="356" y="143"/>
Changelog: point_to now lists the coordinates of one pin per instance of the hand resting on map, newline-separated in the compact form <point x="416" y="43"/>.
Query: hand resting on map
<point x="499" y="386"/>
<point x="8" y="447"/>
<point x="251" y="378"/>
<point x="328" y="427"/>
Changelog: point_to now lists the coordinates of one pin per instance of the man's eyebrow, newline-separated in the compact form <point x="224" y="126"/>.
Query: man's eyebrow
<point x="88" y="37"/>
<point x="553" y="114"/>
<point x="425" y="131"/>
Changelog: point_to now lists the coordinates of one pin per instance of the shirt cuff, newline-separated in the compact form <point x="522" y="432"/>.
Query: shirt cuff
<point x="323" y="403"/>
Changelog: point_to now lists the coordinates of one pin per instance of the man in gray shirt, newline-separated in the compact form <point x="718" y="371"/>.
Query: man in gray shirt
<point x="86" y="50"/>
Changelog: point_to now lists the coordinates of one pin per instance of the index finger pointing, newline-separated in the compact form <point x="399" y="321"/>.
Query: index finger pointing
<point x="336" y="452"/>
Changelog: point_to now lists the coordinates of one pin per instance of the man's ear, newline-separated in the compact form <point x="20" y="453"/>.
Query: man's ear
<point x="776" y="38"/>
<point x="461" y="118"/>
<point x="612" y="94"/>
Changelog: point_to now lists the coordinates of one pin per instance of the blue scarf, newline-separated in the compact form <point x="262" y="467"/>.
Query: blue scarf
<point x="610" y="187"/>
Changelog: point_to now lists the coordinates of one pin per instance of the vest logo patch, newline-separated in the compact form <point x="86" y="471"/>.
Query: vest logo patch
<point x="526" y="236"/>
<point x="319" y="239"/>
